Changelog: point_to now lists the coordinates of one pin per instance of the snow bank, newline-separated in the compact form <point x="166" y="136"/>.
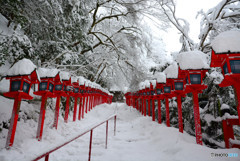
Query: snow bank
<point x="47" y="73"/>
<point x="193" y="60"/>
<point x="172" y="71"/>
<point x="227" y="41"/>
<point x="22" y="67"/>
<point x="161" y="77"/>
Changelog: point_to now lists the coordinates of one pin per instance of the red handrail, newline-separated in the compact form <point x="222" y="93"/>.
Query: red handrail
<point x="46" y="154"/>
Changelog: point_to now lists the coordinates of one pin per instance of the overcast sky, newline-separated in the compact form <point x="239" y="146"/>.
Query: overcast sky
<point x="187" y="9"/>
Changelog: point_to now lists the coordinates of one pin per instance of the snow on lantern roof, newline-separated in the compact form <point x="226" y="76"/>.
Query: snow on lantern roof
<point x="193" y="60"/>
<point x="65" y="75"/>
<point x="161" y="77"/>
<point x="172" y="71"/>
<point x="81" y="80"/>
<point x="147" y="83"/>
<point x="22" y="67"/>
<point x="228" y="41"/>
<point x="74" y="79"/>
<point x="47" y="73"/>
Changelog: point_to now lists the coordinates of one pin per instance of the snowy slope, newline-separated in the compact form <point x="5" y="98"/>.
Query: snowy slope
<point x="137" y="139"/>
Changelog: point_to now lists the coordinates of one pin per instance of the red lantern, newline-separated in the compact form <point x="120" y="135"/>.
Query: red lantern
<point x="45" y="89"/>
<point x="21" y="75"/>
<point x="226" y="54"/>
<point x="194" y="65"/>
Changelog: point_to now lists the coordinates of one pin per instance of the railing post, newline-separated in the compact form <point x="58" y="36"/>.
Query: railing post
<point x="90" y="146"/>
<point x="46" y="157"/>
<point x="115" y="121"/>
<point x="106" y="134"/>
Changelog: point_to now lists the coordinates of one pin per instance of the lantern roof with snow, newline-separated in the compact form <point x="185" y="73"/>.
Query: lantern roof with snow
<point x="24" y="67"/>
<point x="227" y="42"/>
<point x="47" y="73"/>
<point x="160" y="77"/>
<point x="172" y="71"/>
<point x="193" y="60"/>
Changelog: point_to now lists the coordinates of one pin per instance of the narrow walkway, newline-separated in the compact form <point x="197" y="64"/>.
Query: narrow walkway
<point x="138" y="139"/>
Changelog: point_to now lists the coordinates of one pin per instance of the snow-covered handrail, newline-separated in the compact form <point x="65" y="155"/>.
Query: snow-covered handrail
<point x="90" y="129"/>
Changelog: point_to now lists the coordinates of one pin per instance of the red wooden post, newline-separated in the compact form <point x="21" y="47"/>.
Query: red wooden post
<point x="106" y="134"/>
<point x="57" y="108"/>
<point x="67" y="109"/>
<point x="180" y="121"/>
<point x="145" y="107"/>
<point x="75" y="109"/>
<point x="153" y="109"/>
<point x="167" y="112"/>
<point x="41" y="118"/>
<point x="13" y="123"/>
<point x="80" y="109"/>
<point x="86" y="107"/>
<point x="227" y="132"/>
<point x="159" y="111"/>
<point x="90" y="146"/>
<point x="198" y="131"/>
<point x="149" y="107"/>
<point x="83" y="105"/>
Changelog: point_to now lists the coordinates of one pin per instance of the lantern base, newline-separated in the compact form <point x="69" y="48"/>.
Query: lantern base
<point x="18" y="94"/>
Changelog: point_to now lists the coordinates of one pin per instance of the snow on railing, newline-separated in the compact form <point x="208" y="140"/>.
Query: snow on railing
<point x="90" y="129"/>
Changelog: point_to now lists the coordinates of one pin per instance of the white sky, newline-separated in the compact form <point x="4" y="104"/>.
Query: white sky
<point x="187" y="9"/>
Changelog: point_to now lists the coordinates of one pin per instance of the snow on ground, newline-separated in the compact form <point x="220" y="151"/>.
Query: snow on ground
<point x="137" y="138"/>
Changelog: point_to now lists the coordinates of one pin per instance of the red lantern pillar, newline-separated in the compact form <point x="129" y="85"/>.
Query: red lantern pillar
<point x="167" y="112"/>
<point x="55" y="123"/>
<point x="80" y="108"/>
<point x="153" y="109"/>
<point x="159" y="111"/>
<point x="13" y="122"/>
<point x="41" y="117"/>
<point x="198" y="131"/>
<point x="180" y="121"/>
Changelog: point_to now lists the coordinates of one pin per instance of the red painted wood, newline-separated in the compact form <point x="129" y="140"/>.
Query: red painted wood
<point x="13" y="122"/>
<point x="75" y="109"/>
<point x="198" y="131"/>
<point x="167" y="112"/>
<point x="180" y="120"/>
<point x="153" y="110"/>
<point x="159" y="112"/>
<point x="57" y="108"/>
<point x="41" y="118"/>
<point x="67" y="109"/>
<point x="80" y="109"/>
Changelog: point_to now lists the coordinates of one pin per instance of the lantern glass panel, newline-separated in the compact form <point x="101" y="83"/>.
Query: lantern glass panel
<point x="148" y="93"/>
<point x="152" y="92"/>
<point x="178" y="85"/>
<point x="167" y="89"/>
<point x="50" y="87"/>
<point x="159" y="91"/>
<point x="144" y="94"/>
<point x="235" y="66"/>
<point x="187" y="80"/>
<point x="26" y="87"/>
<point x="195" y="78"/>
<point x="15" y="86"/>
<point x="58" y="87"/>
<point x="76" y="90"/>
<point x="68" y="88"/>
<point x="43" y="86"/>
<point x="225" y="68"/>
